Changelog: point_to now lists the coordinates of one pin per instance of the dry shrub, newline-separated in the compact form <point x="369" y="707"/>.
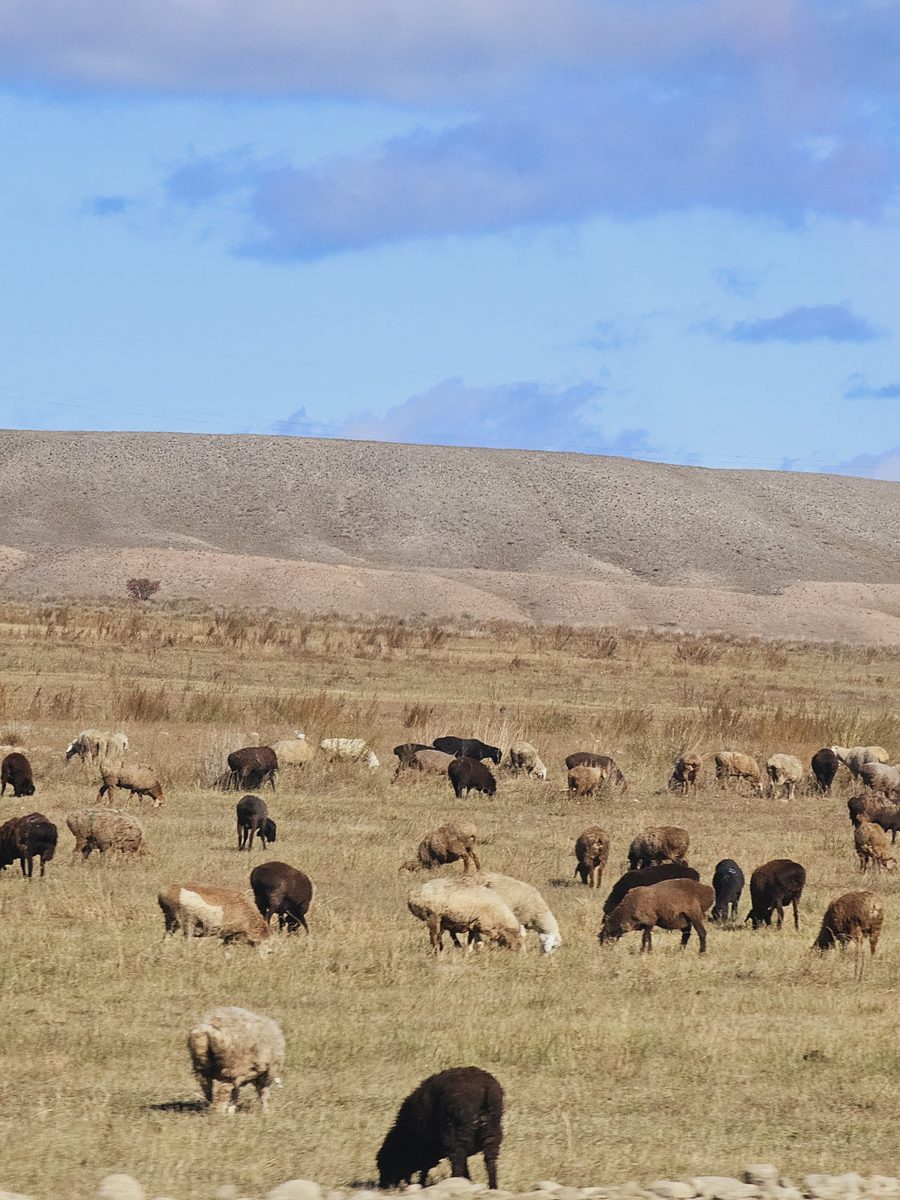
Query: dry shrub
<point x="211" y="706"/>
<point x="133" y="702"/>
<point x="699" y="651"/>
<point x="415" y="716"/>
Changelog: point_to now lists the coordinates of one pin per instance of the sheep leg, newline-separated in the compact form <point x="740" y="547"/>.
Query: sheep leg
<point x="701" y="933"/>
<point x="780" y="910"/>
<point x="231" y="1108"/>
<point x="459" y="1163"/>
<point x="646" y="941"/>
<point x="795" y="906"/>
<point x="686" y="933"/>
<point x="436" y="934"/>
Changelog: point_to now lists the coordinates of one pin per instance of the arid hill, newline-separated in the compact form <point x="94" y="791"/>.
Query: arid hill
<point x="369" y="527"/>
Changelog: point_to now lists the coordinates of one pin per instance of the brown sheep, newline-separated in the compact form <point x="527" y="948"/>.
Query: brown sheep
<point x="584" y="758"/>
<point x="731" y="764"/>
<point x="200" y="910"/>
<point x="673" y="904"/>
<point x="853" y="917"/>
<point x="658" y="844"/>
<point x="106" y="830"/>
<point x="25" y="839"/>
<point x="15" y="771"/>
<point x="592" y="852"/>
<point x="584" y="781"/>
<point x="447" y="844"/>
<point x="136" y="779"/>
<point x="773" y="885"/>
<point x="686" y="774"/>
<point x="872" y="847"/>
<point x="469" y="774"/>
<point x="644" y="878"/>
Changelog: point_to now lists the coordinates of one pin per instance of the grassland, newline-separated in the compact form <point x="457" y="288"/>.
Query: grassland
<point x="615" y="1066"/>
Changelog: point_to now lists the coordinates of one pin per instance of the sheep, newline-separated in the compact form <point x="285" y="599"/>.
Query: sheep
<point x="887" y="816"/>
<point x="853" y="757"/>
<point x="672" y="904"/>
<point x="584" y="758"/>
<point x="872" y="847"/>
<point x="584" y="781"/>
<point x="865" y="805"/>
<point x="657" y="844"/>
<point x="108" y="829"/>
<point x="728" y="884"/>
<point x="283" y="890"/>
<point x="524" y="757"/>
<point x="853" y="917"/>
<point x="463" y="906"/>
<point x="528" y="906"/>
<point x="294" y="752"/>
<point x="137" y="779"/>
<point x="25" y="839"/>
<point x="825" y="764"/>
<point x="468" y="774"/>
<point x="432" y="762"/>
<point x="200" y="910"/>
<point x="252" y="766"/>
<point x="592" y="852"/>
<point x="773" y="886"/>
<point x="94" y="744"/>
<point x="253" y="818"/>
<point x="731" y="764"/>
<point x="447" y="844"/>
<point x="234" y="1046"/>
<point x="686" y="773"/>
<point x="468" y="748"/>
<point x="784" y="771"/>
<point x="406" y="754"/>
<point x="15" y="770"/>
<point x="454" y="1114"/>
<point x="880" y="778"/>
<point x="349" y="750"/>
<point x="645" y="877"/>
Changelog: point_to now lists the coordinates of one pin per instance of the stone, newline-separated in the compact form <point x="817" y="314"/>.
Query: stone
<point x="723" y="1187"/>
<point x="568" y="1193"/>
<point x="833" y="1187"/>
<point x="880" y="1185"/>
<point x="762" y="1175"/>
<point x="14" y="1196"/>
<point x="547" y="1185"/>
<point x="226" y="1192"/>
<point x="119" y="1187"/>
<point x="667" y="1189"/>
<point x="295" y="1189"/>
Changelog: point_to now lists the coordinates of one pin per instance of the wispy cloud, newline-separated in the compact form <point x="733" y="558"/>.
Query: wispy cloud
<point x="806" y="323"/>
<point x="738" y="281"/>
<point x="870" y="466"/>
<point x="105" y="206"/>
<point x="858" y="389"/>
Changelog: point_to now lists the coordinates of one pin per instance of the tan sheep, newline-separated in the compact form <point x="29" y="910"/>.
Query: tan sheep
<point x="524" y="757"/>
<point x="447" y="844"/>
<point x="592" y="852"/>
<point x="672" y="904"/>
<point x="458" y="906"/>
<point x="233" y="1046"/>
<point x="731" y="764"/>
<point x="92" y="745"/>
<point x="853" y="757"/>
<point x="873" y="847"/>
<point x="686" y="773"/>
<point x="584" y="781"/>
<point x="294" y="752"/>
<point x="105" y="830"/>
<point x="136" y="778"/>
<point x="658" y="844"/>
<point x="854" y="917"/>
<point x="200" y="910"/>
<point x="432" y="762"/>
<point x="784" y="771"/>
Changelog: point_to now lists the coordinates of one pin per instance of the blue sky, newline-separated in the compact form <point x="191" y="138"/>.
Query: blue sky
<point x="661" y="228"/>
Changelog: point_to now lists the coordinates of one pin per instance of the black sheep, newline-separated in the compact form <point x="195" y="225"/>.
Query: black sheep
<point x="772" y="886"/>
<point x="282" y="889"/>
<point x="646" y="877"/>
<point x="253" y="817"/>
<point x="728" y="883"/>
<point x="25" y="839"/>
<point x="825" y="765"/>
<point x="253" y="766"/>
<point x="468" y="748"/>
<point x="16" y="771"/>
<point x="467" y="774"/>
<point x="453" y="1114"/>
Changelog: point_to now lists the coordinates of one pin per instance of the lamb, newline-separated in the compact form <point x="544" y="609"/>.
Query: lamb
<point x="728" y="884"/>
<point x="468" y="748"/>
<point x="25" y="839"/>
<point x="673" y="904"/>
<point x="283" y="890"/>
<point x="199" y="910"/>
<point x="880" y="778"/>
<point x="453" y="1114"/>
<point x="657" y="844"/>
<point x="447" y="844"/>
<point x="825" y="764"/>
<point x="431" y="762"/>
<point x="528" y="906"/>
<point x="137" y="779"/>
<point x="731" y="764"/>
<point x="108" y="829"/>
<point x="773" y="886"/>
<point x="463" y="906"/>
<point x="15" y="770"/>
<point x="686" y="774"/>
<point x="253" y="818"/>
<point x="872" y="847"/>
<point x="94" y="744"/>
<point x="524" y="757"/>
<point x="584" y="758"/>
<point x="252" y="766"/>
<point x="349" y="750"/>
<point x="468" y="774"/>
<point x="645" y="878"/>
<point x="592" y="852"/>
<point x="584" y="781"/>
<point x="294" y="752"/>
<point x="784" y="771"/>
<point x="233" y="1046"/>
<point x="853" y="757"/>
<point x="853" y="917"/>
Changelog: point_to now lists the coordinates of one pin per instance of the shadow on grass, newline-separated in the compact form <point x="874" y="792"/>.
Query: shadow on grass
<point x="178" y="1106"/>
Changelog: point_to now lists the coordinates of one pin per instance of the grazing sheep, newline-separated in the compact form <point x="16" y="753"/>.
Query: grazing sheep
<point x="453" y="1114"/>
<point x="887" y="816"/>
<point x="447" y="844"/>
<point x="728" y="884"/>
<point x="458" y="906"/>
<point x="294" y="752"/>
<point x="349" y="750"/>
<point x="199" y="910"/>
<point x="468" y="774"/>
<point x="252" y="766"/>
<point x="784" y="771"/>
<point x="25" y="839"/>
<point x="584" y="781"/>
<point x="137" y="779"/>
<point x="468" y="748"/>
<point x="645" y="877"/>
<point x="94" y="744"/>
<point x="282" y="890"/>
<point x="108" y="829"/>
<point x="853" y="917"/>
<point x="528" y="906"/>
<point x="432" y="762"/>
<point x="584" y="758"/>
<point x="825" y="764"/>
<point x="731" y="764"/>
<point x="773" y="886"/>
<point x="253" y="817"/>
<point x="872" y="847"/>
<point x="592" y="852"/>
<point x="880" y="778"/>
<point x="686" y="774"/>
<point x="15" y="770"/>
<point x="233" y="1046"/>
<point x="854" y="757"/>
<point x="863" y="806"/>
<point x="406" y="754"/>
<point x="524" y="757"/>
<point x="673" y="904"/>
<point x="657" y="844"/>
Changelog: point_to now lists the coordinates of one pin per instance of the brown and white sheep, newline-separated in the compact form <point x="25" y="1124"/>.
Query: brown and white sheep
<point x="686" y="773"/>
<point x="200" y="910"/>
<point x="854" y="917"/>
<point x="658" y="844"/>
<point x="458" y="906"/>
<point x="135" y="778"/>
<point x="872" y="847"/>
<point x="447" y="844"/>
<point x="233" y="1046"/>
<point x="105" y="830"/>
<point x="524" y="757"/>
<point x="672" y="904"/>
<point x="784" y="771"/>
<point x="732" y="764"/>
<point x="592" y="853"/>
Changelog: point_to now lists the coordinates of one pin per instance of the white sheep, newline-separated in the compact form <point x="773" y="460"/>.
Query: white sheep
<point x="233" y="1046"/>
<point x="524" y="757"/>
<point x="459" y="906"/>
<point x="94" y="744"/>
<point x="349" y="750"/>
<point x="853" y="757"/>
<point x="784" y="771"/>
<point x="528" y="906"/>
<point x="294" y="752"/>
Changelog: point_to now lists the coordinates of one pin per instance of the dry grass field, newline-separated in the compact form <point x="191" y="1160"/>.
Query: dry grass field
<point x="615" y="1066"/>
